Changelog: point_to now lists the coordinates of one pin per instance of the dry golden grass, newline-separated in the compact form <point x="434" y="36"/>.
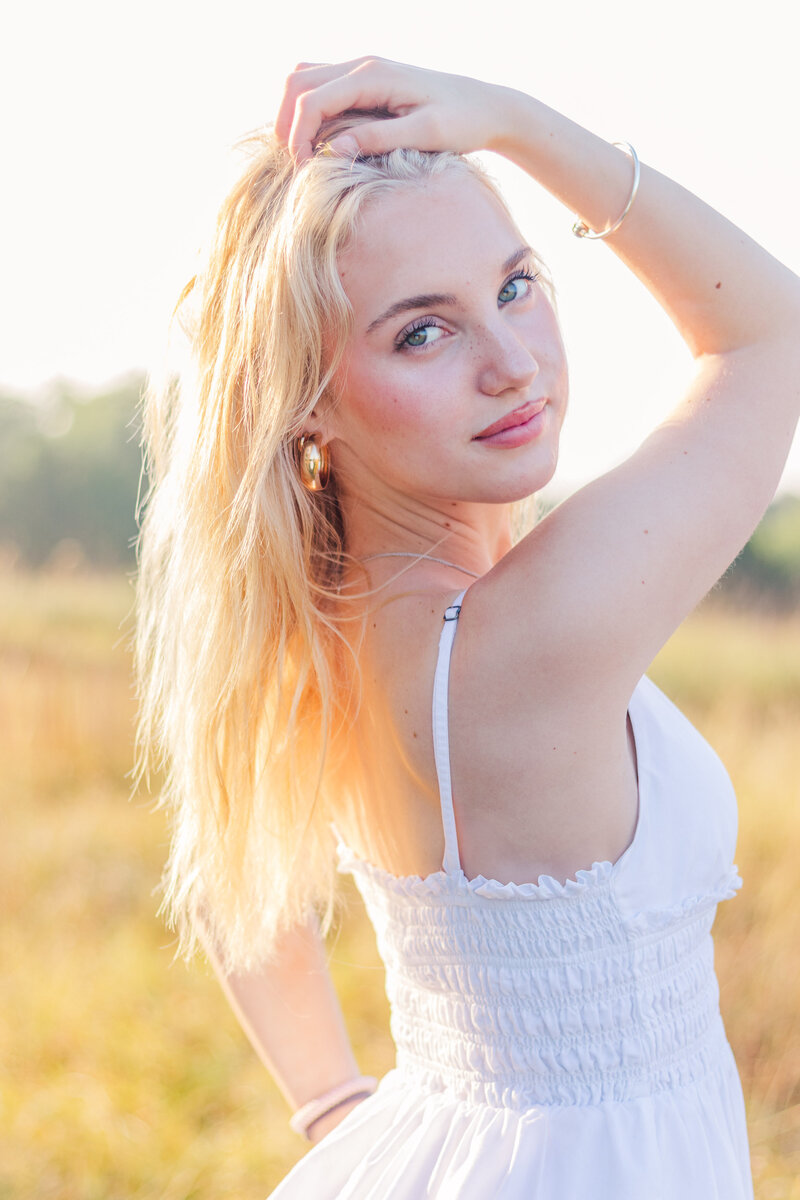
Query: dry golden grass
<point x="124" y="1075"/>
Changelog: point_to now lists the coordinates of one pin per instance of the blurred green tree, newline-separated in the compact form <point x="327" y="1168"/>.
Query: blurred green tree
<point x="69" y="469"/>
<point x="767" y="572"/>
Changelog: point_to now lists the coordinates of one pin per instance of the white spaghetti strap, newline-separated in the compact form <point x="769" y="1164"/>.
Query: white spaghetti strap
<point x="441" y="740"/>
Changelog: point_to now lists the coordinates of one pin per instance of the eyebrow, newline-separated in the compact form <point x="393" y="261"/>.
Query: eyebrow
<point x="435" y="299"/>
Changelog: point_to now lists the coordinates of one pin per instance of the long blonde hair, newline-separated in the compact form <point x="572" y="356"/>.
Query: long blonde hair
<point x="245" y="682"/>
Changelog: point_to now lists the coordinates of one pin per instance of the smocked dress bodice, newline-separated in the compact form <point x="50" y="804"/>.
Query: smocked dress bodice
<point x="556" y="1040"/>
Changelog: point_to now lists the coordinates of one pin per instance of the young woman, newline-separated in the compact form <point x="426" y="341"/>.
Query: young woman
<point x="355" y="655"/>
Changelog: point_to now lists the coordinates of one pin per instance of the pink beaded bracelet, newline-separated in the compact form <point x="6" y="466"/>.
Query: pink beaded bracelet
<point x="305" y="1117"/>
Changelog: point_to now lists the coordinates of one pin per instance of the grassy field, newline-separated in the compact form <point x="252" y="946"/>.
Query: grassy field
<point x="123" y="1073"/>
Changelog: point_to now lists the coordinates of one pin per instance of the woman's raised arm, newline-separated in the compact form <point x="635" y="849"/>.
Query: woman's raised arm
<point x="606" y="578"/>
<point x="647" y="541"/>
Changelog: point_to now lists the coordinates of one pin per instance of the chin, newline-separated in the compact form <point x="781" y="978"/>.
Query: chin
<point x="526" y="483"/>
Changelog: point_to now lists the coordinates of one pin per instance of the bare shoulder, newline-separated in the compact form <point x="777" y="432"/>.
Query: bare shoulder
<point x="541" y="783"/>
<point x="542" y="755"/>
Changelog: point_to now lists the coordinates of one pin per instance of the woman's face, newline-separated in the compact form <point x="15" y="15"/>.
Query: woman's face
<point x="451" y="335"/>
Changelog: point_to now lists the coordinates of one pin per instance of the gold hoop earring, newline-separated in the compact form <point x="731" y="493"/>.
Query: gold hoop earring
<point x="315" y="464"/>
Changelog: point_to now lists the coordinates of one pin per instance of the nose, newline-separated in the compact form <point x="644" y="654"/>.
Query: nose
<point x="504" y="360"/>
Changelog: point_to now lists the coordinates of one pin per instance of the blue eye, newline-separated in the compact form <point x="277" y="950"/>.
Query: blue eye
<point x="413" y="336"/>
<point x="511" y="292"/>
<point x="425" y="331"/>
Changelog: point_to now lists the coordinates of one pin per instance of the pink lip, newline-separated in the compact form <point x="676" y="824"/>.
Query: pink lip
<point x="518" y="417"/>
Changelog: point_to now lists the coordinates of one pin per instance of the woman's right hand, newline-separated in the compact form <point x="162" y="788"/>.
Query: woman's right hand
<point x="433" y="110"/>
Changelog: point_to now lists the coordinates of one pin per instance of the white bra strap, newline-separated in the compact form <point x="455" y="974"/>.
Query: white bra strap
<point x="441" y="741"/>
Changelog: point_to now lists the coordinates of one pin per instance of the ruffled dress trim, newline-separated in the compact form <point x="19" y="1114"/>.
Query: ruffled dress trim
<point x="598" y="880"/>
<point x="442" y="883"/>
<point x="655" y="919"/>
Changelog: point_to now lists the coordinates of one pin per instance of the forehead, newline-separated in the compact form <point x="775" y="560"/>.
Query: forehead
<point x="427" y="236"/>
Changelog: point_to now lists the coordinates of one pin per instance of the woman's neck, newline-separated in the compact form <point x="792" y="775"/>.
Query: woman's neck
<point x="470" y="536"/>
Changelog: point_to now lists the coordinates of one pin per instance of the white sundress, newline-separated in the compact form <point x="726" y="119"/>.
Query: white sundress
<point x="555" y="1041"/>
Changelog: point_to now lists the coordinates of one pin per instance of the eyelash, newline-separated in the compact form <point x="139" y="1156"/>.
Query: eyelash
<point x="426" y="322"/>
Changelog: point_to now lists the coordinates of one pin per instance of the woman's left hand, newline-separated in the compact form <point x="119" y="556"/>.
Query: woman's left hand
<point x="434" y="111"/>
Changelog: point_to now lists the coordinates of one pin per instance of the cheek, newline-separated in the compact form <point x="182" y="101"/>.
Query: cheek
<point x="377" y="404"/>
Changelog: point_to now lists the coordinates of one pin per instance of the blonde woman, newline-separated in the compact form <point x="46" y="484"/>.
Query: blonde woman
<point x="355" y="655"/>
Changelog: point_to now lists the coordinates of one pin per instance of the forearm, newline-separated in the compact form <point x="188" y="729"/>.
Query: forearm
<point x="291" y="1014"/>
<point x="721" y="289"/>
<point x="723" y="292"/>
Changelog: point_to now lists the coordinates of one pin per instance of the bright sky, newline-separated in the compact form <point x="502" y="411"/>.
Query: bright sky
<point x="119" y="123"/>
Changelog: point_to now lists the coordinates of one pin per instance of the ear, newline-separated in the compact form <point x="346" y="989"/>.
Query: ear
<point x="322" y="421"/>
<point x="319" y="430"/>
